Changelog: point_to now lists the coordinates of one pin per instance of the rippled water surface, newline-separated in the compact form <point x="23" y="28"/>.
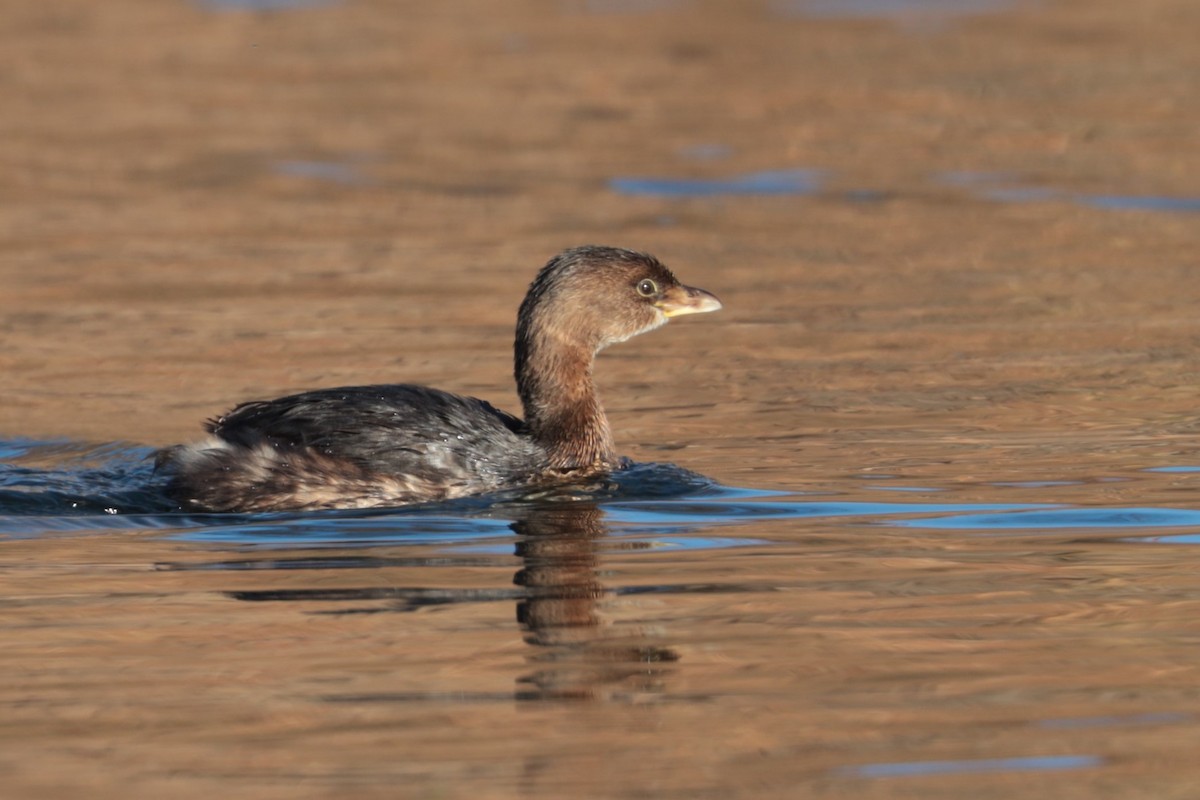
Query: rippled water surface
<point x="1025" y="635"/>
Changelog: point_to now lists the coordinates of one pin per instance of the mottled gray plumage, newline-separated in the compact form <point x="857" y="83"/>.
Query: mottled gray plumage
<point x="365" y="446"/>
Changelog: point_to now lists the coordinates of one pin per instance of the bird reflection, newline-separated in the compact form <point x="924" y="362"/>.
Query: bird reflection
<point x="578" y="655"/>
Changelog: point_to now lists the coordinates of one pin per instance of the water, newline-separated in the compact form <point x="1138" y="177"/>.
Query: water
<point x="262" y="5"/>
<point x="621" y="6"/>
<point x="1126" y="202"/>
<point x="770" y="182"/>
<point x="997" y="187"/>
<point x="1025" y="764"/>
<point x="1004" y="188"/>
<point x="906" y="11"/>
<point x="917" y="511"/>
<point x="962" y="626"/>
<point x="345" y="173"/>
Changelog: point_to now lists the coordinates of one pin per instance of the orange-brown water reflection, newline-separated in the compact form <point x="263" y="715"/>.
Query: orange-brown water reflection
<point x="577" y="656"/>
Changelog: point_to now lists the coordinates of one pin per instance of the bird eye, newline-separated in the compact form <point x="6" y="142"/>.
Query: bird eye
<point x="647" y="288"/>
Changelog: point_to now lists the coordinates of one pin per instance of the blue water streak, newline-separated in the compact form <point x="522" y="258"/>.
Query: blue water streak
<point x="1004" y="188"/>
<point x="1064" y="518"/>
<point x="1116" y="720"/>
<point x="688" y="512"/>
<point x="1183" y="538"/>
<point x="1125" y="202"/>
<point x="771" y="182"/>
<point x="346" y="174"/>
<point x="888" y="9"/>
<point x="906" y="769"/>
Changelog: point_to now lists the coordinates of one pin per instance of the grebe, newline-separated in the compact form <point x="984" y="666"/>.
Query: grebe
<point x="395" y="444"/>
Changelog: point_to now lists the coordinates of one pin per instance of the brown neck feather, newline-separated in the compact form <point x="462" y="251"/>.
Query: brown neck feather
<point x="554" y="379"/>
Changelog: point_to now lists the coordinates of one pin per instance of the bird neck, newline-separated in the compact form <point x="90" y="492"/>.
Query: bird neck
<point x="562" y="411"/>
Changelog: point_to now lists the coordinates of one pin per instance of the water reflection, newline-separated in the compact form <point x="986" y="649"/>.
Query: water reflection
<point x="579" y="655"/>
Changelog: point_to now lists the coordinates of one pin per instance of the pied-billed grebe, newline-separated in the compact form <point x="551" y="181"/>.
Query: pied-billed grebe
<point x="389" y="445"/>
